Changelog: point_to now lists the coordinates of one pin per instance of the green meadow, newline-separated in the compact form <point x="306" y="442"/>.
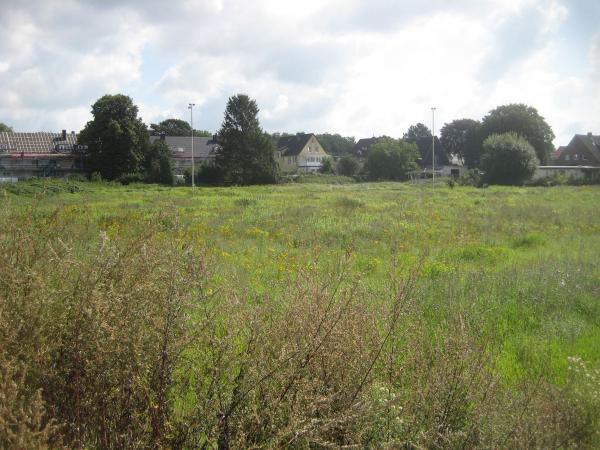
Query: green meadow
<point x="460" y="318"/>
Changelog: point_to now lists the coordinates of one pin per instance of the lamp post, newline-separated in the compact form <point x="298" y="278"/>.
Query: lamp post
<point x="191" y="108"/>
<point x="433" y="146"/>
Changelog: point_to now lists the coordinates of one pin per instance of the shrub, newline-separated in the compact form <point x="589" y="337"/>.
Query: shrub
<point x="96" y="177"/>
<point x="101" y="333"/>
<point x="23" y="418"/>
<point x="326" y="166"/>
<point x="391" y="159"/>
<point x="209" y="174"/>
<point x="348" y="166"/>
<point x="129" y="178"/>
<point x="76" y="177"/>
<point x="157" y="164"/>
<point x="556" y="179"/>
<point x="471" y="177"/>
<point x="508" y="159"/>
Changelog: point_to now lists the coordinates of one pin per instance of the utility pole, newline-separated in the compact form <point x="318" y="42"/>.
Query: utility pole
<point x="433" y="146"/>
<point x="191" y="108"/>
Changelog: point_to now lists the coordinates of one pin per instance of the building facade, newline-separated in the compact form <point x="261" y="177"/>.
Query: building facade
<point x="26" y="155"/>
<point x="583" y="150"/>
<point x="300" y="153"/>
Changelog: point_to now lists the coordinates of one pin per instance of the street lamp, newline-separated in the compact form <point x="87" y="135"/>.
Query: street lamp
<point x="433" y="146"/>
<point x="191" y="108"/>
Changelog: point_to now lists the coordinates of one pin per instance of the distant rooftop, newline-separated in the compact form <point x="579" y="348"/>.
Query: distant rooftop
<point x="181" y="146"/>
<point x="41" y="142"/>
<point x="293" y="145"/>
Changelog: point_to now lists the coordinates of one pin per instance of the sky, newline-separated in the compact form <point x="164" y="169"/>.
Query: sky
<point x="355" y="67"/>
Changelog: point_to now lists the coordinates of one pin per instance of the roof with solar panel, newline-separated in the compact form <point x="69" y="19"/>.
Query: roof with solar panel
<point x="37" y="142"/>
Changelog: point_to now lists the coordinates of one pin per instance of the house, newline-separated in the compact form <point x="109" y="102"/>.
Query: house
<point x="583" y="150"/>
<point x="363" y="146"/>
<point x="25" y="155"/>
<point x="559" y="151"/>
<point x="425" y="144"/>
<point x="301" y="152"/>
<point x="205" y="150"/>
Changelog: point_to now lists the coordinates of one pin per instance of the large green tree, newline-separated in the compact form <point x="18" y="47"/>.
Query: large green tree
<point x="246" y="153"/>
<point x="158" y="165"/>
<point x="117" y="139"/>
<point x="459" y="138"/>
<point x="523" y="120"/>
<point x="508" y="159"/>
<point x="335" y="144"/>
<point x="391" y="159"/>
<point x="348" y="165"/>
<point x="415" y="132"/>
<point x="176" y="127"/>
<point x="5" y="128"/>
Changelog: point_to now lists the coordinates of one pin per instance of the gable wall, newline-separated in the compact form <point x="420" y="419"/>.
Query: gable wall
<point x="577" y="154"/>
<point x="311" y="156"/>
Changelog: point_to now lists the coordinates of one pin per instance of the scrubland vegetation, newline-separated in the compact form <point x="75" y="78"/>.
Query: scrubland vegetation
<point x="302" y="316"/>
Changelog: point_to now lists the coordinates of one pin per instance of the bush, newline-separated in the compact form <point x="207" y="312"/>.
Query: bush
<point x="348" y="166"/>
<point x="129" y="178"/>
<point x="326" y="166"/>
<point x="508" y="159"/>
<point x="96" y="177"/>
<point x="391" y="159"/>
<point x="209" y="174"/>
<point x="556" y="179"/>
<point x="77" y="177"/>
<point x="23" y="419"/>
<point x="157" y="164"/>
<point x="471" y="177"/>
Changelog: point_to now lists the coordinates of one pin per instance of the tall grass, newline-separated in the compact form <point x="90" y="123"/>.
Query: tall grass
<point x="148" y="327"/>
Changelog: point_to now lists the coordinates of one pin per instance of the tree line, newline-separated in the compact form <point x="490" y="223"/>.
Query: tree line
<point x="506" y="145"/>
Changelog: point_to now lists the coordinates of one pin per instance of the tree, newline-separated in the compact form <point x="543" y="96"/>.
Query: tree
<point x="246" y="153"/>
<point x="415" y="132"/>
<point x="526" y="122"/>
<point x="117" y="139"/>
<point x="458" y="138"/>
<point x="335" y="144"/>
<point x="157" y="163"/>
<point x="508" y="159"/>
<point x="326" y="166"/>
<point x="177" y="127"/>
<point x="5" y="128"/>
<point x="391" y="159"/>
<point x="348" y="165"/>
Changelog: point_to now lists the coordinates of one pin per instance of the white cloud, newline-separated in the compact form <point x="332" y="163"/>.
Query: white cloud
<point x="553" y="15"/>
<point x="356" y="67"/>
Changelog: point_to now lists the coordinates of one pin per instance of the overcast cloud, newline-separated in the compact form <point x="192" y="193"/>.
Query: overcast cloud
<point x="355" y="67"/>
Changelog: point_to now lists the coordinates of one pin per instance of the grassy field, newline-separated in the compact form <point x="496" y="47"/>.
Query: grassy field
<point x="460" y="318"/>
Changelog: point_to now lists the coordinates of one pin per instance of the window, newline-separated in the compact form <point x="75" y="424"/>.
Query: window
<point x="567" y="157"/>
<point x="575" y="157"/>
<point x="584" y="158"/>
